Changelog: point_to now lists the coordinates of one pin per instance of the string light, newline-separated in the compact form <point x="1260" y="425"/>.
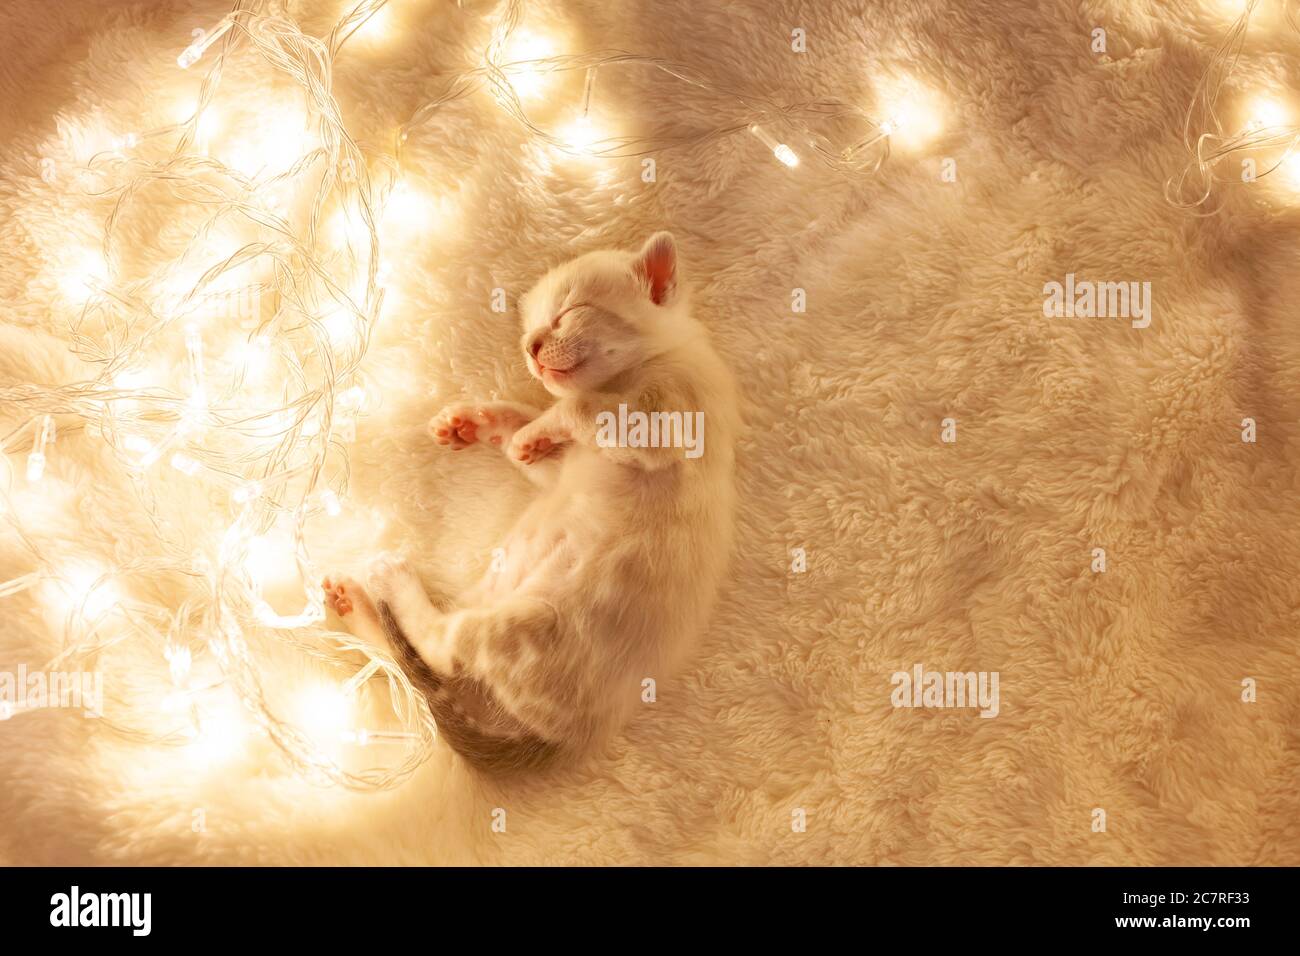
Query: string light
<point x="1263" y="137"/>
<point x="582" y="134"/>
<point x="179" y="662"/>
<point x="914" y="116"/>
<point x="143" y="414"/>
<point x="239" y="362"/>
<point x="44" y="438"/>
<point x="201" y="119"/>
<point x="84" y="274"/>
<point x="16" y="585"/>
<point x="186" y="465"/>
<point x="330" y="501"/>
<point x="86" y="590"/>
<point x="523" y="52"/>
<point x="325" y="709"/>
<point x="220" y="733"/>
<point x="1267" y="113"/>
<point x="781" y="151"/>
<point x="502" y="68"/>
<point x="195" y="50"/>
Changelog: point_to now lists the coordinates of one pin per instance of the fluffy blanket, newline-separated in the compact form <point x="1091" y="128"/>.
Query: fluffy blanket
<point x="1121" y="690"/>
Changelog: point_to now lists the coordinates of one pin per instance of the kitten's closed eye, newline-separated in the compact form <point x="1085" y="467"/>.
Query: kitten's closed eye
<point x="555" y="322"/>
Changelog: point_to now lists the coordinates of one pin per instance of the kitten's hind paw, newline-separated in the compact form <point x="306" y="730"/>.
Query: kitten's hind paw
<point x="343" y="595"/>
<point x="458" y="426"/>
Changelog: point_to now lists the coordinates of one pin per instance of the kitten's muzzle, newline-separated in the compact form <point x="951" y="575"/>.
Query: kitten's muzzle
<point x="554" y="354"/>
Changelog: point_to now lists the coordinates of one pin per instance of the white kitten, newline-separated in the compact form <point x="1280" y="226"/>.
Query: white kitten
<point x="611" y="572"/>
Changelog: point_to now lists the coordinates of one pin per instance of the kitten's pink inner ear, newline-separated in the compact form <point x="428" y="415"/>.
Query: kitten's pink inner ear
<point x="658" y="265"/>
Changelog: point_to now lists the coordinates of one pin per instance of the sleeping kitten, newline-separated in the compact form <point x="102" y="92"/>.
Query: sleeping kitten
<point x="611" y="572"/>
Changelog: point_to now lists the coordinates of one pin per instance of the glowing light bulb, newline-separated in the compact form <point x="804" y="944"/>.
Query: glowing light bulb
<point x="247" y="492"/>
<point x="138" y="444"/>
<point x="271" y="146"/>
<point x="340" y="324"/>
<point x="272" y="560"/>
<point x="185" y="464"/>
<point x="134" y="378"/>
<point x="378" y="27"/>
<point x="1227" y="11"/>
<point x="353" y="398"/>
<point x="324" y="710"/>
<point x="220" y="737"/>
<point x="87" y="589"/>
<point x="194" y="349"/>
<point x="330" y="500"/>
<point x="351" y="402"/>
<point x="191" y="54"/>
<point x="251" y="357"/>
<point x="914" y="113"/>
<point x="783" y="153"/>
<point x="408" y="212"/>
<point x="1267" y="113"/>
<point x="581" y="135"/>
<point x="43" y="438"/>
<point x="84" y="273"/>
<point x="528" y="79"/>
<point x="121" y="144"/>
<point x="195" y="414"/>
<point x="206" y="123"/>
<point x="1288" y="172"/>
<point x="179" y="661"/>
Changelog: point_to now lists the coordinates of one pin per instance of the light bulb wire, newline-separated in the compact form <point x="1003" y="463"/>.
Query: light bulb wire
<point x="204" y="598"/>
<point x="1193" y="187"/>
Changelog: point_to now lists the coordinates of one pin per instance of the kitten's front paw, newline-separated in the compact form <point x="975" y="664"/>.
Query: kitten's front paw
<point x="533" y="443"/>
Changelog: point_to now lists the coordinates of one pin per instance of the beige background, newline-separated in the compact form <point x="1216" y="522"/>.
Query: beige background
<point x="1119" y="690"/>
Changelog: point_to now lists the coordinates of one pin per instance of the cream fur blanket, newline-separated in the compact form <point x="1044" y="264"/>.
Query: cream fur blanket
<point x="1120" y="691"/>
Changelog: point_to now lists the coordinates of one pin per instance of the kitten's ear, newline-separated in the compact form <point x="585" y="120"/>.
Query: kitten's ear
<point x="656" y="263"/>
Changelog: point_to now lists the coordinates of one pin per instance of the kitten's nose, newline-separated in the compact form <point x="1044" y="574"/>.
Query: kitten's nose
<point x="536" y="345"/>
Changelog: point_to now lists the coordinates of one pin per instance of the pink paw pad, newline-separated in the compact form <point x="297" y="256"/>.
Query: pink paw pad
<point x="337" y="598"/>
<point x="531" y="451"/>
<point x="456" y="427"/>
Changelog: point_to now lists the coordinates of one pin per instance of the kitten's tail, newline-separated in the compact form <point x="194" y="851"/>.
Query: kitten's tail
<point x="498" y="754"/>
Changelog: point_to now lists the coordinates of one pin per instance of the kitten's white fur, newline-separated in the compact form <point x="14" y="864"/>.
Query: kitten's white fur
<point x="610" y="574"/>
